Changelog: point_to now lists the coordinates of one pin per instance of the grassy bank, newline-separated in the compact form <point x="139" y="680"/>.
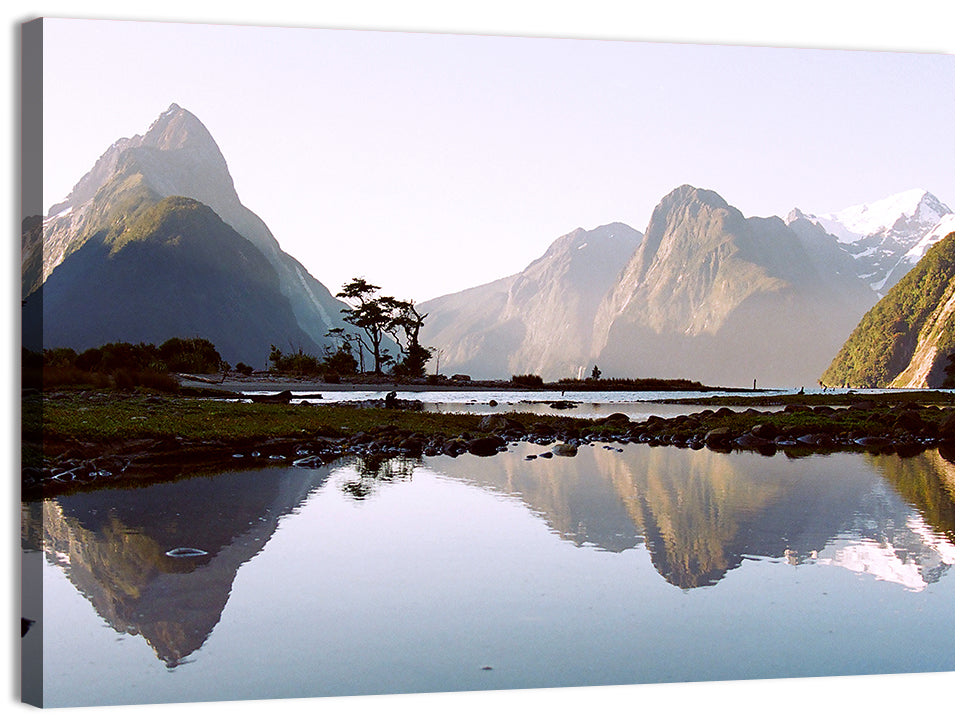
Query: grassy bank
<point x="75" y="439"/>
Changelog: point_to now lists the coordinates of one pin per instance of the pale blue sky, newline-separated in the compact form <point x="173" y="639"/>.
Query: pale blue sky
<point x="431" y="163"/>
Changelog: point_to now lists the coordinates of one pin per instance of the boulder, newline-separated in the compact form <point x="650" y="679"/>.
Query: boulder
<point x="909" y="420"/>
<point x="565" y="449"/>
<point x="718" y="437"/>
<point x="764" y="430"/>
<point x="485" y="446"/>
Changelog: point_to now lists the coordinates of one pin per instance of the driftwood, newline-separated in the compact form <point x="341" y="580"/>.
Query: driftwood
<point x="282" y="397"/>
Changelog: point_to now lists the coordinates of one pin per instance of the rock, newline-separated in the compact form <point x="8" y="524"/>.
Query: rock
<point x="872" y="441"/>
<point x="485" y="446"/>
<point x="411" y="446"/>
<point x="752" y="442"/>
<point x="616" y="418"/>
<point x="718" y="438"/>
<point x="909" y="420"/>
<point x="764" y="430"/>
<point x="565" y="449"/>
<point x="494" y="422"/>
<point x="815" y="439"/>
<point x="796" y="408"/>
<point x="946" y="429"/>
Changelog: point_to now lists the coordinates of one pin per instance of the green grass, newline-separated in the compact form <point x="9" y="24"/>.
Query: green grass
<point x="111" y="418"/>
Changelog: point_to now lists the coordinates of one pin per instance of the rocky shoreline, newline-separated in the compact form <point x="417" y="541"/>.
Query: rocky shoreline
<point x="904" y="428"/>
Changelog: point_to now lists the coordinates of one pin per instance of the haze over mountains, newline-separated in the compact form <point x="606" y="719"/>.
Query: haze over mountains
<point x="146" y="275"/>
<point x="154" y="242"/>
<point x="706" y="294"/>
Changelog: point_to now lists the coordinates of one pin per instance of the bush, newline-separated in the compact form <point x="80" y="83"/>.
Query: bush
<point x="122" y="365"/>
<point x="297" y="364"/>
<point x="528" y="380"/>
<point x="189" y="355"/>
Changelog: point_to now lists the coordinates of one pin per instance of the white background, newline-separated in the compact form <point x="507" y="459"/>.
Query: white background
<point x="919" y="26"/>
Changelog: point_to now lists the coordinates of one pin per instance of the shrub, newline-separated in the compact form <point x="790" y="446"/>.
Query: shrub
<point x="529" y="380"/>
<point x="298" y="363"/>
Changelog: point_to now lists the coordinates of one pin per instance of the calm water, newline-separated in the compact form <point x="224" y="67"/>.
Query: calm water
<point x="625" y="566"/>
<point x="638" y="405"/>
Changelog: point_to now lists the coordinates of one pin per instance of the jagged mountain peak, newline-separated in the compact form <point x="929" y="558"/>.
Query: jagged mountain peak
<point x="688" y="194"/>
<point x="865" y="219"/>
<point x="177" y="128"/>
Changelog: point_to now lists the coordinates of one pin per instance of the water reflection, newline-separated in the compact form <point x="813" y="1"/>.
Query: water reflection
<point x="372" y="471"/>
<point x="160" y="561"/>
<point x="125" y="550"/>
<point x="700" y="514"/>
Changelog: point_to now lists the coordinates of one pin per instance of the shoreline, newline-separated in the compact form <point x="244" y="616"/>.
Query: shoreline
<point x="237" y="383"/>
<point x="87" y="439"/>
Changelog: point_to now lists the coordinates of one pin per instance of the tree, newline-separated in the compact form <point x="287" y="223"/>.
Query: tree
<point x="372" y="315"/>
<point x="347" y="339"/>
<point x="596" y="373"/>
<point x="409" y="322"/>
<point x="375" y="315"/>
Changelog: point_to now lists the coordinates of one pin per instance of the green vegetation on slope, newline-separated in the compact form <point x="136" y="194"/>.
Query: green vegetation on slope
<point x="884" y="342"/>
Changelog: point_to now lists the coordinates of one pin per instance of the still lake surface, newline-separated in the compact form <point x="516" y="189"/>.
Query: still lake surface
<point x="621" y="565"/>
<point x="637" y="405"/>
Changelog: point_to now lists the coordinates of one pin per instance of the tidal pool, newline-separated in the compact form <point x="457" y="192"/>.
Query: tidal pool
<point x="621" y="565"/>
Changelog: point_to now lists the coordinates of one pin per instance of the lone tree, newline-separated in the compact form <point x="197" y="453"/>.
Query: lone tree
<point x="375" y="315"/>
<point x="370" y="313"/>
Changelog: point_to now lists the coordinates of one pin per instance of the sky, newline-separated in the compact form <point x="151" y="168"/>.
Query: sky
<point x="430" y="162"/>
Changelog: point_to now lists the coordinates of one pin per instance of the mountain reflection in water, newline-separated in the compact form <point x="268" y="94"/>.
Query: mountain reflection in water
<point x="699" y="514"/>
<point x="113" y="545"/>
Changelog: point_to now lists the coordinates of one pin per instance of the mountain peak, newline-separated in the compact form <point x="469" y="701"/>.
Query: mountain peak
<point x="686" y="194"/>
<point x="177" y="128"/>
<point x="866" y="218"/>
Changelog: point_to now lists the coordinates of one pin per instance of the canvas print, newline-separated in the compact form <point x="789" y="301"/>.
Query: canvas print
<point x="365" y="363"/>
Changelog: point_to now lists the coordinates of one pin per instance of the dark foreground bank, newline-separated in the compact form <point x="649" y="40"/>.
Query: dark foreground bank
<point x="80" y="439"/>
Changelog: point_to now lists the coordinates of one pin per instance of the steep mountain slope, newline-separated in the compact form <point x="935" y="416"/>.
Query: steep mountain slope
<point x="176" y="157"/>
<point x="537" y="321"/>
<point x="717" y="297"/>
<point x="172" y="267"/>
<point x="888" y="236"/>
<point x="907" y="339"/>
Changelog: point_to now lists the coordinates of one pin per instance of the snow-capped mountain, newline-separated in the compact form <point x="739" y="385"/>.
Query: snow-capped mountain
<point x="889" y="236"/>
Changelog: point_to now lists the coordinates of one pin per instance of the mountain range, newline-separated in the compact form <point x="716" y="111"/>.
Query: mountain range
<point x="706" y="293"/>
<point x="153" y="242"/>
